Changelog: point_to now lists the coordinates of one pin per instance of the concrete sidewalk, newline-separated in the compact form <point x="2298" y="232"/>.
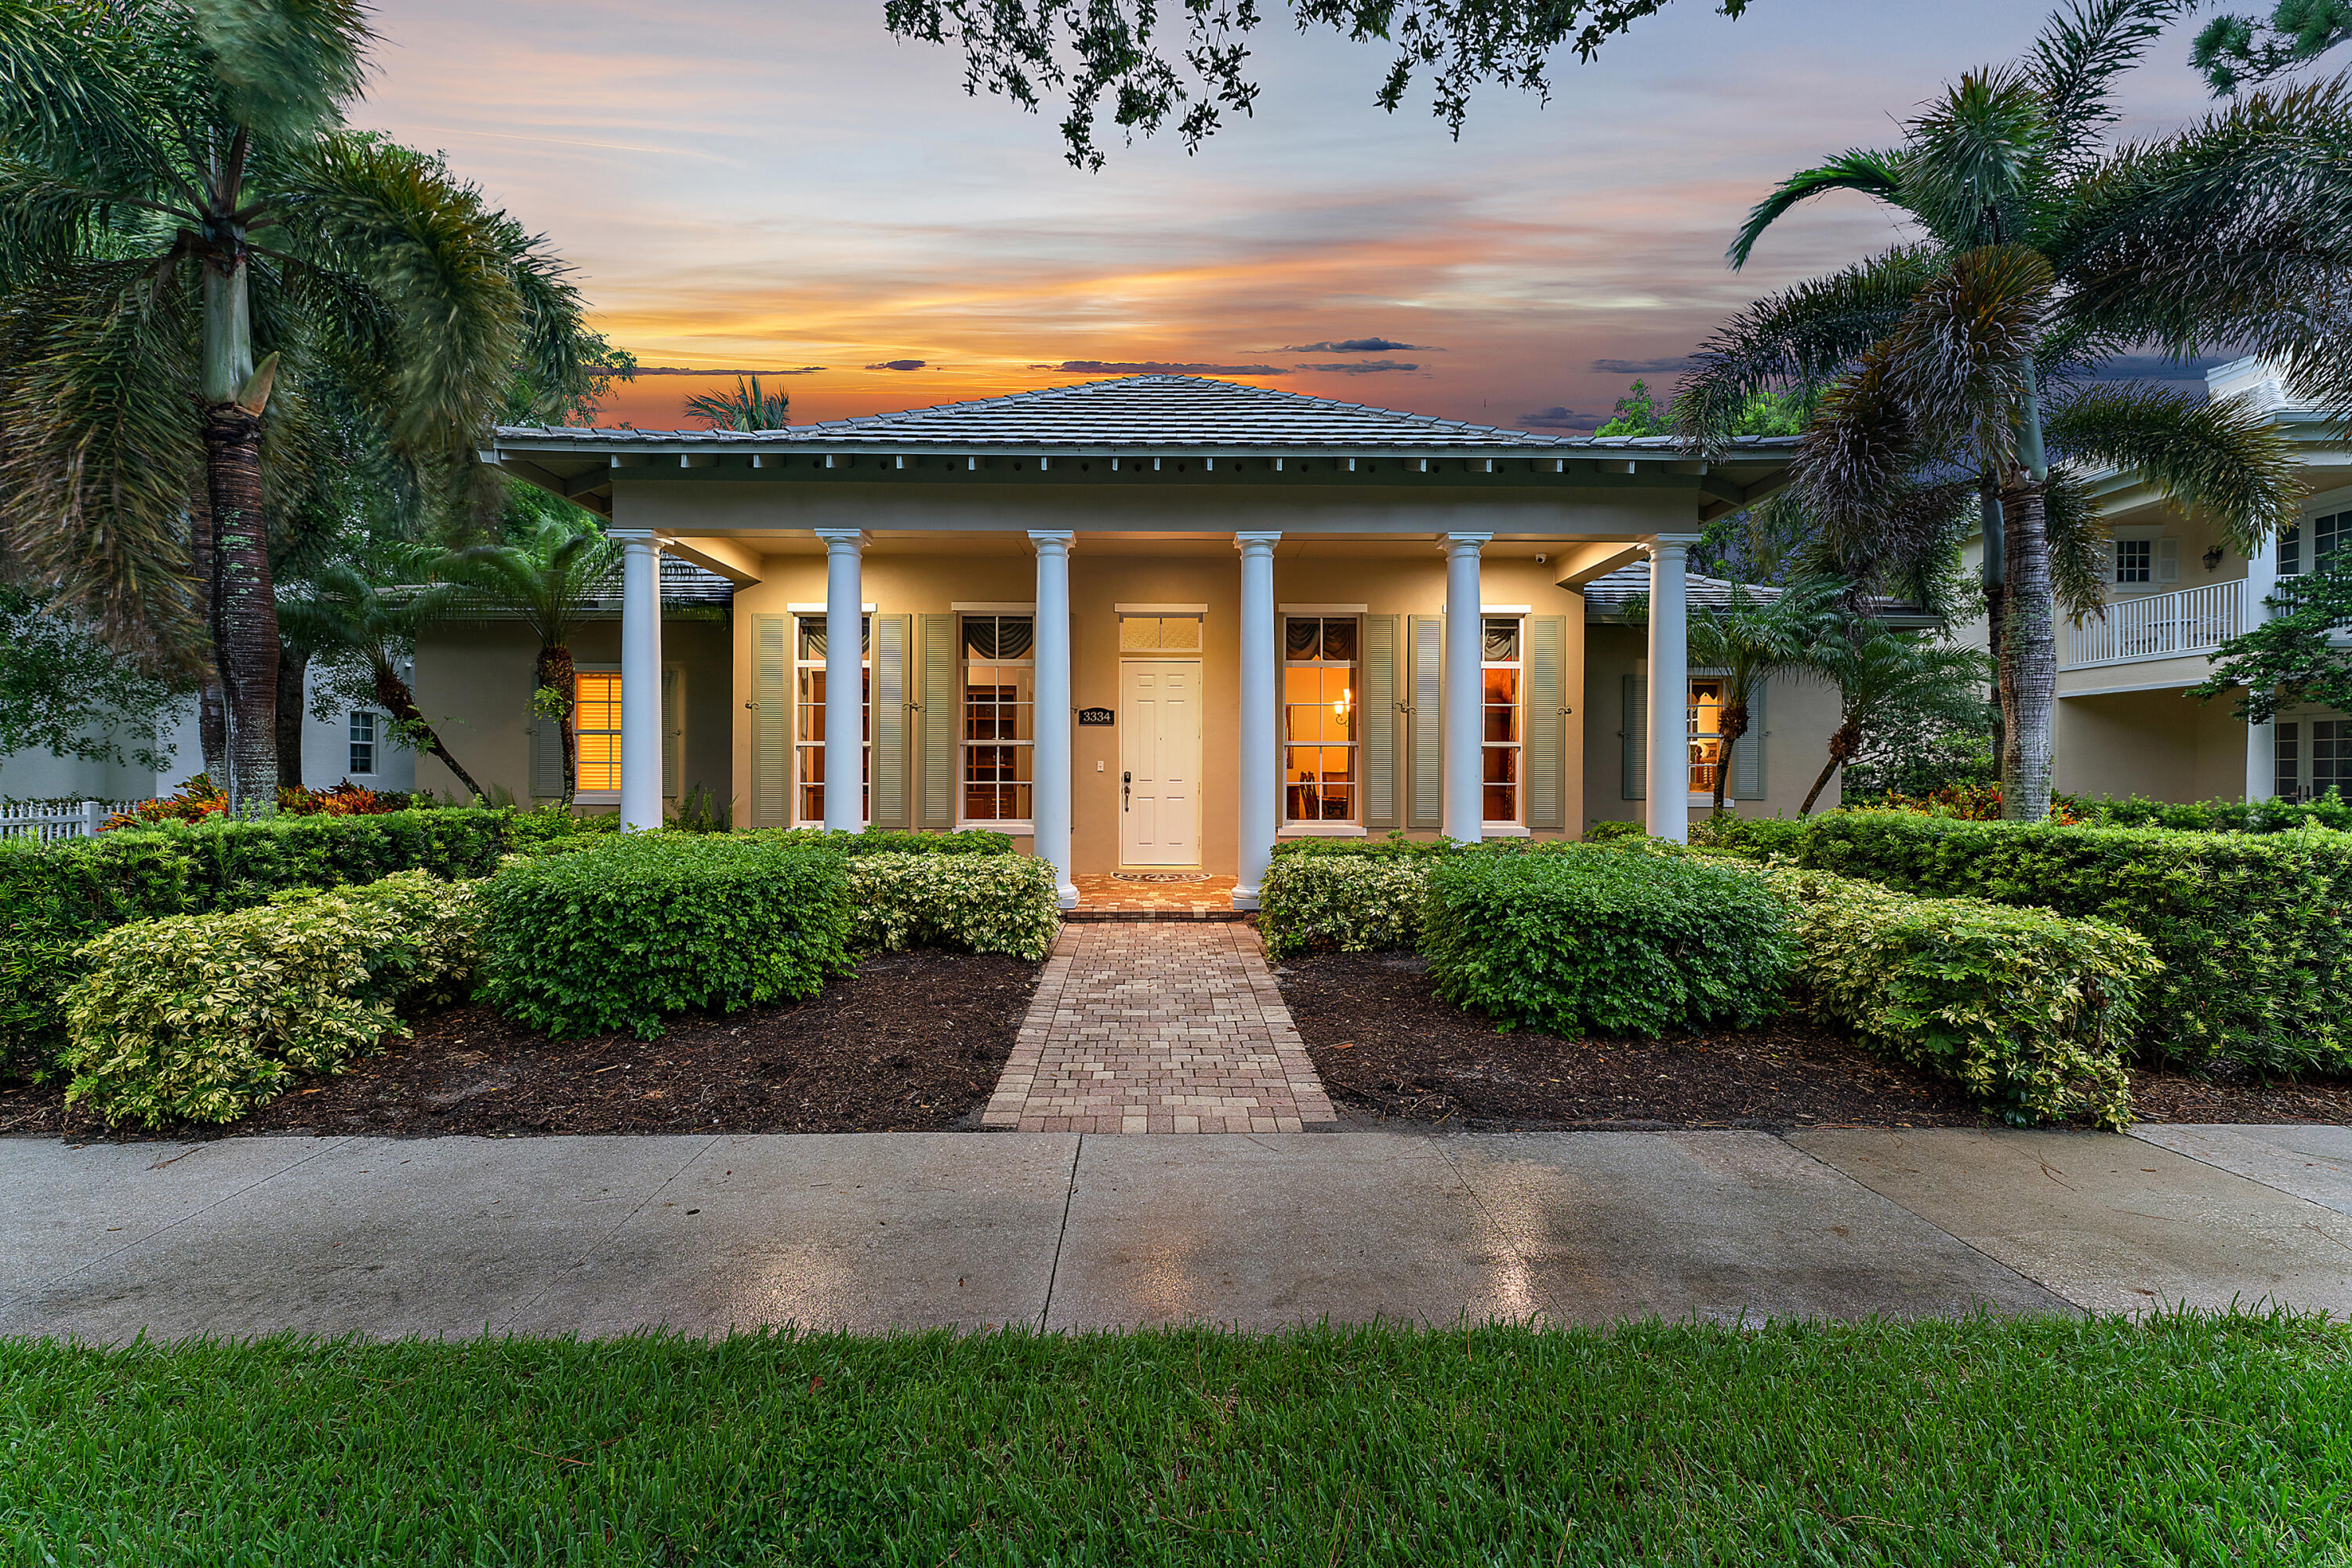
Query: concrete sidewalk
<point x="600" y="1235"/>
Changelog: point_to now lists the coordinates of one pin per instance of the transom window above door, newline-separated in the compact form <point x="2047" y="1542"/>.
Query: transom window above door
<point x="999" y="717"/>
<point x="1159" y="633"/>
<point x="1320" y="682"/>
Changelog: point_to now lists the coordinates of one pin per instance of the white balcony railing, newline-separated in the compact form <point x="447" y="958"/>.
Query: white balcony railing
<point x="2161" y="626"/>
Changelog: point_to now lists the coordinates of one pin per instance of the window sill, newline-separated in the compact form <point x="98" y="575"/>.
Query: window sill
<point x="595" y="798"/>
<point x="1320" y="830"/>
<point x="1504" y="830"/>
<point x="1015" y="828"/>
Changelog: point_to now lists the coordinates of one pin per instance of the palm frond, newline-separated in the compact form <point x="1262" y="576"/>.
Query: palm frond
<point x="1960" y="357"/>
<point x="2074" y="62"/>
<point x="285" y="68"/>
<point x="78" y="96"/>
<point x="1872" y="174"/>
<point x="2078" y="544"/>
<point x="745" y="408"/>
<point x="1978" y="161"/>
<point x="2221" y="457"/>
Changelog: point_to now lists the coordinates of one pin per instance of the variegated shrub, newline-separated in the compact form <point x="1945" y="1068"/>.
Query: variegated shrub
<point x="1356" y="903"/>
<point x="980" y="903"/>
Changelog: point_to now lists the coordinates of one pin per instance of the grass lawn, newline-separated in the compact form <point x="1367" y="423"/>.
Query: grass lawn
<point x="2185" y="1439"/>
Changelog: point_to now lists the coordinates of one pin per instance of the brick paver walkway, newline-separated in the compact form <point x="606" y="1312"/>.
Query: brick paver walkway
<point x="1102" y="897"/>
<point x="1158" y="1027"/>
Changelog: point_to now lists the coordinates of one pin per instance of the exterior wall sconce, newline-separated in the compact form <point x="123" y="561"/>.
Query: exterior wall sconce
<point x="2214" y="558"/>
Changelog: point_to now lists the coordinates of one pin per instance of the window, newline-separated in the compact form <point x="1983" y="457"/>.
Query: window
<point x="596" y="721"/>
<point x="808" y="755"/>
<point x="2135" y="560"/>
<point x="2314" y="755"/>
<point x="1499" y="673"/>
<point x="2328" y="535"/>
<point x="363" y="743"/>
<point x="1704" y="717"/>
<point x="1159" y="633"/>
<point x="999" y="717"/>
<point x="1318" y="718"/>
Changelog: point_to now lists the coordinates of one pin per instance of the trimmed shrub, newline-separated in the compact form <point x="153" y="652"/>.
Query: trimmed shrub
<point x="1592" y="940"/>
<point x="202" y="1018"/>
<point x="2026" y="1009"/>
<point x="2254" y="931"/>
<point x="1355" y="903"/>
<point x="532" y="832"/>
<point x="889" y="841"/>
<point x="977" y="903"/>
<point x="1396" y="846"/>
<point x="1600" y="832"/>
<point x="2330" y="810"/>
<point x="655" y="923"/>
<point x="55" y="897"/>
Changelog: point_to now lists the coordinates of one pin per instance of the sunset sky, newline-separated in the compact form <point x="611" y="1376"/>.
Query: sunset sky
<point x="780" y="185"/>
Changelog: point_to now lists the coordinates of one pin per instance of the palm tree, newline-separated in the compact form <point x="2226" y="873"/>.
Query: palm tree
<point x="1958" y="366"/>
<point x="549" y="578"/>
<point x="365" y="633"/>
<point x="1879" y="672"/>
<point x="203" y="275"/>
<point x="745" y="408"/>
<point x="1752" y="640"/>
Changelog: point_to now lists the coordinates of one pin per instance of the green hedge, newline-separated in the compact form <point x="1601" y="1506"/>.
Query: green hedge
<point x="1357" y="903"/>
<point x="983" y="903"/>
<point x="889" y="841"/>
<point x="2026" y="1009"/>
<point x="2330" y="810"/>
<point x="1586" y="938"/>
<point x="201" y="1017"/>
<point x="2254" y="931"/>
<point x="55" y="897"/>
<point x="655" y="923"/>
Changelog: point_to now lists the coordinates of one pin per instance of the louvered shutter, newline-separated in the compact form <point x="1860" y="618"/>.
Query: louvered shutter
<point x="936" y="723"/>
<point x="673" y="723"/>
<point x="1428" y="758"/>
<point x="1547" y="721"/>
<point x="546" y="758"/>
<point x="1635" y="739"/>
<point x="770" y="723"/>
<point x="2168" y="561"/>
<point x="1747" y="757"/>
<point x="888" y="798"/>
<point x="1379" y="710"/>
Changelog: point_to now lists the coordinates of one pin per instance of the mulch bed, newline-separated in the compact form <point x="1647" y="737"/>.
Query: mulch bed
<point x="1388" y="1048"/>
<point x="912" y="1042"/>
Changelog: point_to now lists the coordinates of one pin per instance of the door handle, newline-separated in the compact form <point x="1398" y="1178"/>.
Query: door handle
<point x="1125" y="779"/>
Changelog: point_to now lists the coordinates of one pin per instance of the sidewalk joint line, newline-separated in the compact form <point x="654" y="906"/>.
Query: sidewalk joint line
<point x="1063" y="1235"/>
<point x="710" y="1141"/>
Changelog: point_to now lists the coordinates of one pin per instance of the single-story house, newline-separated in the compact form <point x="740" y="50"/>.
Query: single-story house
<point x="1249" y="614"/>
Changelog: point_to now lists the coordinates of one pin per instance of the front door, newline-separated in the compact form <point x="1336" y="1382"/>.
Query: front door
<point x="1160" y="763"/>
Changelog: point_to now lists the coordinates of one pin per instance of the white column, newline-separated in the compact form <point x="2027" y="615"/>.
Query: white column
<point x="641" y="659"/>
<point x="1259" y="787"/>
<point x="1049" y="789"/>
<point x="2261" y="739"/>
<point x="1458" y="717"/>
<point x="1668" y="771"/>
<point x="844" y="680"/>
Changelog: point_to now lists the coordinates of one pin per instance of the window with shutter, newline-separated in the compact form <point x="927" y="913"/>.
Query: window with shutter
<point x="1747" y="756"/>
<point x="939" y="720"/>
<point x="1634" y="740"/>
<point x="596" y="722"/>
<point x="1427" y="755"/>
<point x="1547" y="724"/>
<point x="999" y="717"/>
<point x="809" y="759"/>
<point x="673" y="722"/>
<point x="891" y="636"/>
<point x="1380" y="722"/>
<point x="771" y="724"/>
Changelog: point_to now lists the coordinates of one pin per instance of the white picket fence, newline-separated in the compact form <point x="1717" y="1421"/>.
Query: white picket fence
<point x="50" y="824"/>
<point x="2161" y="626"/>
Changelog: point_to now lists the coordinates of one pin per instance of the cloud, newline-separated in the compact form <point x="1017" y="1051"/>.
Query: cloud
<point x="1155" y="368"/>
<point x="1562" y="419"/>
<point x="899" y="364"/>
<point x="1362" y="366"/>
<point x="690" y="370"/>
<point x="1642" y="366"/>
<point x="1360" y="346"/>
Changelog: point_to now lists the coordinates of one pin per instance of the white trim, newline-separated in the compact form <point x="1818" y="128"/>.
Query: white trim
<point x="994" y="606"/>
<point x="1160" y="609"/>
<point x="1504" y="830"/>
<point x="596" y="797"/>
<point x="1322" y="830"/>
<point x="817" y="609"/>
<point x="1506" y="610"/>
<point x="1325" y="609"/>
<point x="1016" y="829"/>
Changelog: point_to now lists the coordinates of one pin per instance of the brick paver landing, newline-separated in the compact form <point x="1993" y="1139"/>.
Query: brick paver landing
<point x="1158" y="1027"/>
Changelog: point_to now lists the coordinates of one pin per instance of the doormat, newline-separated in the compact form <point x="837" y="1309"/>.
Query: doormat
<point x="1160" y="876"/>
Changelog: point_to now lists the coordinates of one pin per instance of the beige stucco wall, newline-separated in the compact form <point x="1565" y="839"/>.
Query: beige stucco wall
<point x="2161" y="744"/>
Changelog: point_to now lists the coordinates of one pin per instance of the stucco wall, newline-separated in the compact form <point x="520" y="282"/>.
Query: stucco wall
<point x="2160" y="744"/>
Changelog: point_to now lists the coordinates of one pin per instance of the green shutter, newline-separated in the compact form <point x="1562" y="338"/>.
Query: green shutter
<point x="1634" y="737"/>
<point x="546" y="759"/>
<point x="673" y="723"/>
<point x="771" y="717"/>
<point x="892" y="633"/>
<point x="1747" y="757"/>
<point x="1428" y="808"/>
<point x="936" y="722"/>
<point x="1377" y="711"/>
<point x="1546" y="720"/>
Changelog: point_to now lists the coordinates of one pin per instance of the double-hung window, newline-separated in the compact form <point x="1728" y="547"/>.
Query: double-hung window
<point x="2321" y="538"/>
<point x="362" y="733"/>
<point x="1705" y="719"/>
<point x="2314" y="755"/>
<point x="596" y="722"/>
<point x="1318" y="718"/>
<point x="1501" y="676"/>
<point x="808" y="686"/>
<point x="999" y="717"/>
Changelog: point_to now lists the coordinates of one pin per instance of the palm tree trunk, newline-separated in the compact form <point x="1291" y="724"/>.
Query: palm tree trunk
<point x="1731" y="724"/>
<point x="555" y="672"/>
<point x="246" y="606"/>
<point x="1842" y="746"/>
<point x="212" y="703"/>
<point x="2029" y="657"/>
<point x="409" y="719"/>
<point x="1996" y="569"/>
<point x="292" y="664"/>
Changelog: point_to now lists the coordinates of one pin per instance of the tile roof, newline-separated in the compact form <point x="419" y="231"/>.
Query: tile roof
<point x="1134" y="411"/>
<point x="1606" y="596"/>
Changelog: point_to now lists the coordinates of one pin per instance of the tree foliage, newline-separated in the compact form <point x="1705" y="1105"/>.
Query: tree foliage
<point x="1111" y="59"/>
<point x="745" y="408"/>
<point x="2234" y="51"/>
<point x="63" y="690"/>
<point x="2301" y="654"/>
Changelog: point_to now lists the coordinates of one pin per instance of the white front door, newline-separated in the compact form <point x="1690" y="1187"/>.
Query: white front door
<point x="1160" y="763"/>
